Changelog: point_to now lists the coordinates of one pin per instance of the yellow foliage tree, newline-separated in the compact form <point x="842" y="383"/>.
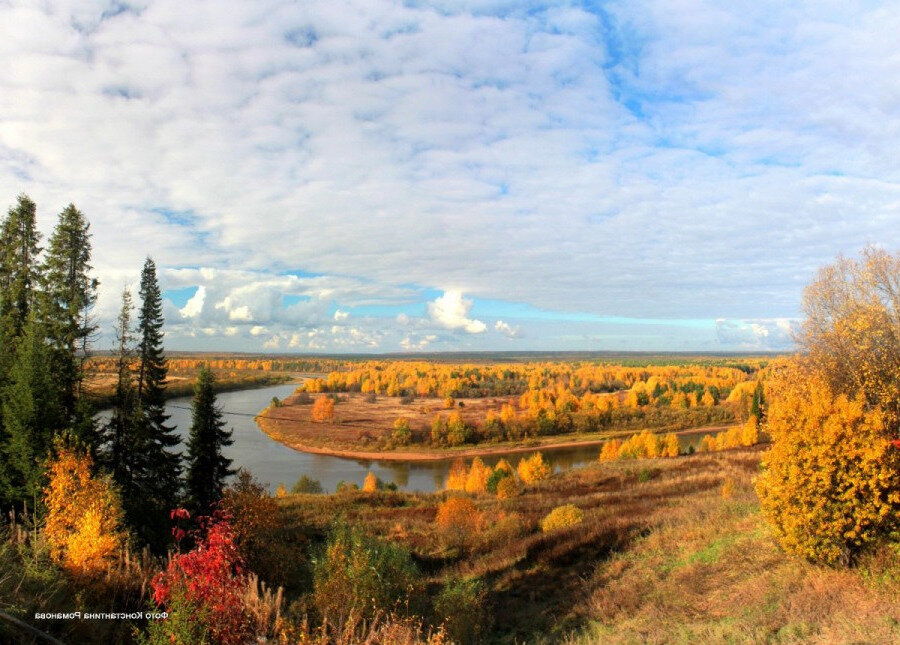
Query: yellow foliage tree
<point x="456" y="479"/>
<point x="458" y="521"/>
<point x="370" y="483"/>
<point x="610" y="450"/>
<point x="507" y="488"/>
<point x="750" y="432"/>
<point x="323" y="409"/>
<point x="476" y="481"/>
<point x="533" y="469"/>
<point x="831" y="481"/>
<point x="671" y="448"/>
<point x="84" y="513"/>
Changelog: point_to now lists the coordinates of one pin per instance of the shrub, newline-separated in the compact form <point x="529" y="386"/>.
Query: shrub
<point x="258" y="527"/>
<point x="323" y="409"/>
<point x="401" y="434"/>
<point x="203" y="590"/>
<point x="458" y="521"/>
<point x="496" y="475"/>
<point x="831" y="481"/>
<point x="356" y="573"/>
<point x="84" y="513"/>
<point x="307" y="484"/>
<point x="346" y="487"/>
<point x="507" y="488"/>
<point x="302" y="397"/>
<point x="275" y="402"/>
<point x="281" y="491"/>
<point x="561" y="517"/>
<point x="533" y="469"/>
<point x="459" y="607"/>
<point x="671" y="447"/>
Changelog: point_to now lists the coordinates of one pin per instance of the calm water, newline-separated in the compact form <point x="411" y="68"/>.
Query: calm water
<point x="272" y="463"/>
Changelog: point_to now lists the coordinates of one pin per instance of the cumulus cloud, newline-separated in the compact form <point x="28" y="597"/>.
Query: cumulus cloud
<point x="451" y="311"/>
<point x="507" y="330"/>
<point x="774" y="334"/>
<point x="649" y="159"/>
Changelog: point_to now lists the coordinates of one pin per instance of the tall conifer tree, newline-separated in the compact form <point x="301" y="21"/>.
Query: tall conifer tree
<point x="31" y="416"/>
<point x="157" y="473"/>
<point x="119" y="439"/>
<point x="68" y="295"/>
<point x="207" y="468"/>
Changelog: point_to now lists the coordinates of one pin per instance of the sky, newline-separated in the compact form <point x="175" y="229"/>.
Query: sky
<point x="378" y="176"/>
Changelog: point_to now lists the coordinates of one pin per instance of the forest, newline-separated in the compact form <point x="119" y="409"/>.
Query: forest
<point x="782" y="526"/>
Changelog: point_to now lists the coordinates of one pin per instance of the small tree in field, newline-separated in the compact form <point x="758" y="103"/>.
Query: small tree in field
<point x="458" y="521"/>
<point x="533" y="469"/>
<point x="84" y="513"/>
<point x="323" y="409"/>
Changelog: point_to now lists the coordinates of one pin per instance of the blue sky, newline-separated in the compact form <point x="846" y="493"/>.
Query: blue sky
<point x="459" y="175"/>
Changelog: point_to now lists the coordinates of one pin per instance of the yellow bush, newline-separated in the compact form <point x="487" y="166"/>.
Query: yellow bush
<point x="504" y="465"/>
<point x="507" y="488"/>
<point x="831" y="481"/>
<point x="281" y="491"/>
<point x="750" y="432"/>
<point x="84" y="513"/>
<point x="561" y="517"/>
<point x="533" y="469"/>
<point x="370" y="483"/>
<point x="476" y="480"/>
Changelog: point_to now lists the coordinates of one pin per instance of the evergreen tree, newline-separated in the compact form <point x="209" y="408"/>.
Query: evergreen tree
<point x="31" y="416"/>
<point x="19" y="265"/>
<point x="69" y="294"/>
<point x="207" y="468"/>
<point x="119" y="440"/>
<point x="157" y="470"/>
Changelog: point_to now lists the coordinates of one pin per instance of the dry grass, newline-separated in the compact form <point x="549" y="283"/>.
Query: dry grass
<point x="660" y="557"/>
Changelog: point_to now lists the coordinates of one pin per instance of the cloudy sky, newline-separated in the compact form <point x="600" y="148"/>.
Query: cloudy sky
<point x="448" y="175"/>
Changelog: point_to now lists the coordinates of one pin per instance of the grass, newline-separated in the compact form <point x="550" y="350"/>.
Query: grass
<point x="664" y="560"/>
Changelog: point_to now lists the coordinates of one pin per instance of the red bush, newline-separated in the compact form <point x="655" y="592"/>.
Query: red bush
<point x="207" y="583"/>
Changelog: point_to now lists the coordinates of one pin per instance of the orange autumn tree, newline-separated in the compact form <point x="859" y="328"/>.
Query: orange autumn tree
<point x="323" y="409"/>
<point x="84" y="513"/>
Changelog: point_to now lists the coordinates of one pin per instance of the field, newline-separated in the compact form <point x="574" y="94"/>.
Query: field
<point x="662" y="556"/>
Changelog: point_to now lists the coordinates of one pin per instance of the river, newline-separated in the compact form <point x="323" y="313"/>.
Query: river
<point x="273" y="463"/>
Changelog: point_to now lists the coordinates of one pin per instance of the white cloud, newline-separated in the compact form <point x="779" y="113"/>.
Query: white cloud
<point x="774" y="334"/>
<point x="341" y="315"/>
<point x="451" y="310"/>
<point x="508" y="330"/>
<point x="656" y="159"/>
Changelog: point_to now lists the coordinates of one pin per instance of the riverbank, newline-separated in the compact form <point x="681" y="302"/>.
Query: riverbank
<point x="279" y="431"/>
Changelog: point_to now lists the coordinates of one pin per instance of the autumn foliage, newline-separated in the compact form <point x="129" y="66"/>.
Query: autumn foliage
<point x="323" y="409"/>
<point x="458" y="521"/>
<point x="533" y="469"/>
<point x="203" y="589"/>
<point x="831" y="483"/>
<point x="84" y="514"/>
<point x="562" y="517"/>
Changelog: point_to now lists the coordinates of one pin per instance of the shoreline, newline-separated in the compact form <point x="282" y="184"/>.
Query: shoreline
<point x="468" y="453"/>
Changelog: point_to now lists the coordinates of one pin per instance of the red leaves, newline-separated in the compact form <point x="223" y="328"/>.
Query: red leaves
<point x="209" y="580"/>
<point x="896" y="443"/>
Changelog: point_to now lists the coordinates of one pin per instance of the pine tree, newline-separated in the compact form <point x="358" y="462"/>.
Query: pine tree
<point x="207" y="468"/>
<point x="119" y="440"/>
<point x="31" y="416"/>
<point x="157" y="471"/>
<point x="69" y="293"/>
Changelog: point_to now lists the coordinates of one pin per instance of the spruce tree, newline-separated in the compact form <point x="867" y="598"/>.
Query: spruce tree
<point x="31" y="416"/>
<point x="119" y="439"/>
<point x="68" y="295"/>
<point x="157" y="471"/>
<point x="19" y="265"/>
<point x="207" y="468"/>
